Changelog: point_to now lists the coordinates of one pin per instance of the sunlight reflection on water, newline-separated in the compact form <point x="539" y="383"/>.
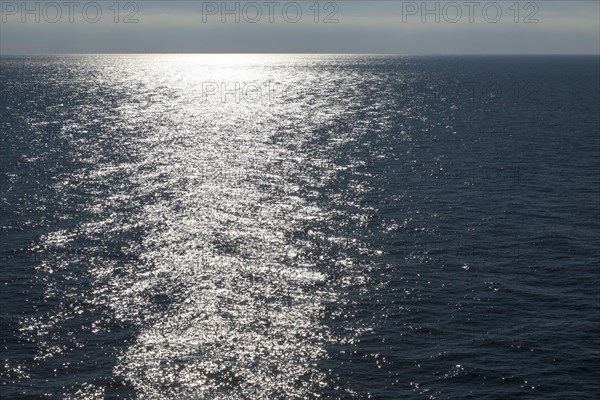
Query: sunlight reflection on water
<point x="226" y="303"/>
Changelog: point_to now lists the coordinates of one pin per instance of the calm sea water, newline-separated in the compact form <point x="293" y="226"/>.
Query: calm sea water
<point x="287" y="227"/>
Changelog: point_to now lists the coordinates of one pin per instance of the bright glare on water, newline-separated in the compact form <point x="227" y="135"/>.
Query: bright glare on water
<point x="288" y="227"/>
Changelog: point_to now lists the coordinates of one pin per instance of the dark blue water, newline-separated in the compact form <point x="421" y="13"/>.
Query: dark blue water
<point x="333" y="226"/>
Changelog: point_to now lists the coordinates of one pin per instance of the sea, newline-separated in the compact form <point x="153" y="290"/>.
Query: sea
<point x="299" y="227"/>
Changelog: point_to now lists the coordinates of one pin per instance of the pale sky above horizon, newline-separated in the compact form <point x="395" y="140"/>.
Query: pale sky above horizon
<point x="355" y="26"/>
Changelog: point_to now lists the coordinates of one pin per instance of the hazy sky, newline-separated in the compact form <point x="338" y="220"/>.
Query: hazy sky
<point x="398" y="27"/>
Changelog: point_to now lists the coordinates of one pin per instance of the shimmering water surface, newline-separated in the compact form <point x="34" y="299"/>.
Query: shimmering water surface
<point x="287" y="227"/>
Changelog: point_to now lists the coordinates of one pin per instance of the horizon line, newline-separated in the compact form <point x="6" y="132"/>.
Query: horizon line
<point x="301" y="53"/>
